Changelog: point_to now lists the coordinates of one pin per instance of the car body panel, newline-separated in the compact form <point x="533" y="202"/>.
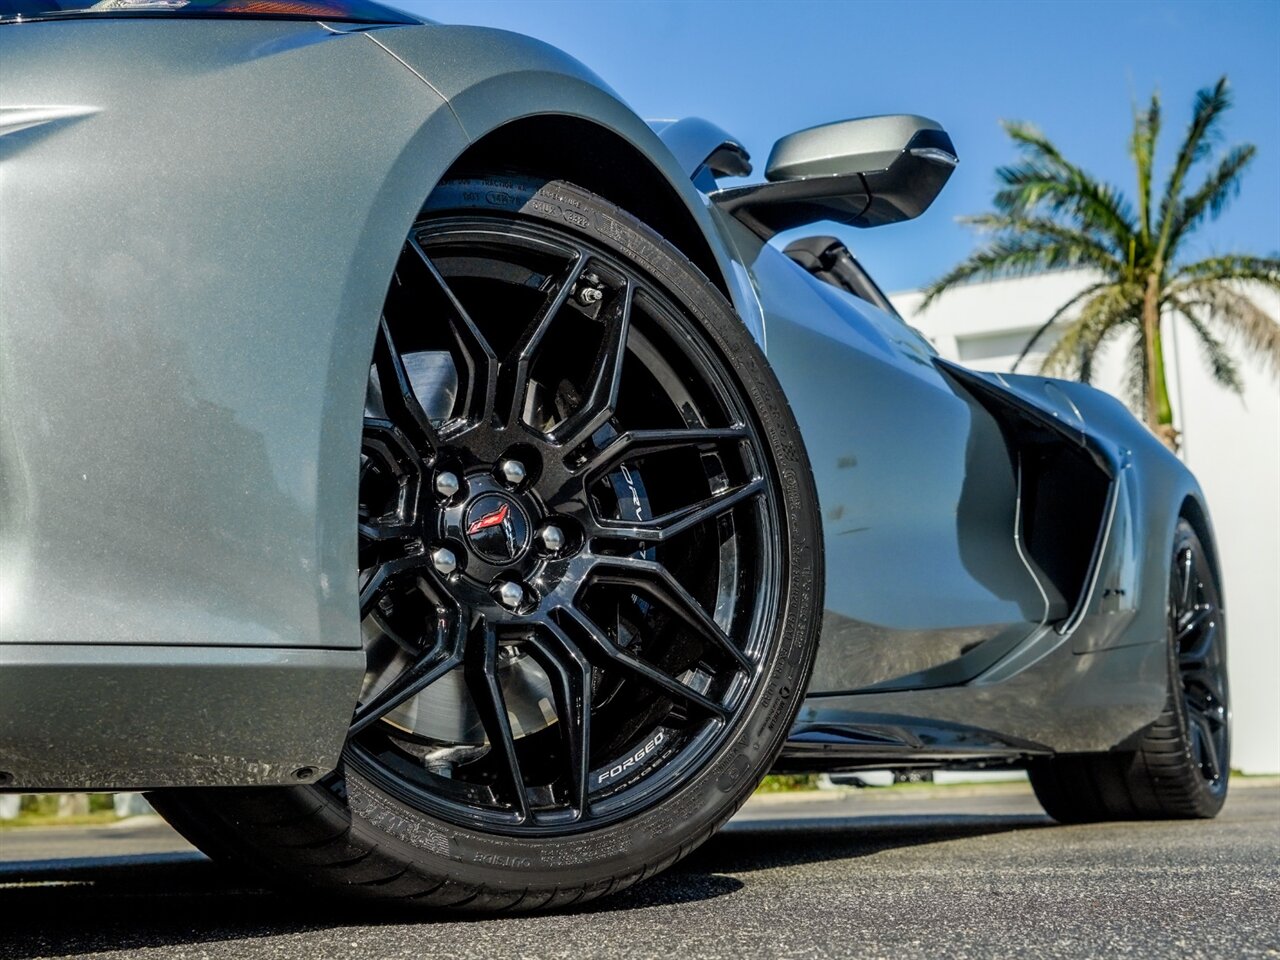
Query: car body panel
<point x="101" y="717"/>
<point x="177" y="336"/>
<point x="208" y="217"/>
<point x="491" y="78"/>
<point x="1090" y="683"/>
<point x="917" y="491"/>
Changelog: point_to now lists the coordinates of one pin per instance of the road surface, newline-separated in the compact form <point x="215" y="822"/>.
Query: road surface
<point x="896" y="874"/>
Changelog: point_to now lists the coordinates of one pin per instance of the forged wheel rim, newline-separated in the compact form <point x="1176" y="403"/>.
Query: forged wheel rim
<point x="569" y="540"/>
<point x="1196" y="623"/>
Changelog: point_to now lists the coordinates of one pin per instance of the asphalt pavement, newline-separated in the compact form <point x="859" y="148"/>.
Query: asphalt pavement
<point x="945" y="872"/>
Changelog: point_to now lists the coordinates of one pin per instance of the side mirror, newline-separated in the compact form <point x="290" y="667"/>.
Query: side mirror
<point x="864" y="173"/>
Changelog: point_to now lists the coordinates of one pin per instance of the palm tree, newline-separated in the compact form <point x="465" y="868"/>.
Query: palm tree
<point x="1051" y="214"/>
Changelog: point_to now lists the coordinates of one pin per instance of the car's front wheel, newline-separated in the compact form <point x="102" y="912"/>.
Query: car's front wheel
<point x="590" y="571"/>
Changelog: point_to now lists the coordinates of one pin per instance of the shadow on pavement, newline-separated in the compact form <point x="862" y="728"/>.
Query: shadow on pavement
<point x="763" y="844"/>
<point x="70" y="907"/>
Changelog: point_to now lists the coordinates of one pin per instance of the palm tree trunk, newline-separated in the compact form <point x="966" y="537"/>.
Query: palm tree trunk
<point x="1159" y="410"/>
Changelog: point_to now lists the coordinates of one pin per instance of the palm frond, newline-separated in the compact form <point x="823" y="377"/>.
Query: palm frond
<point x="1142" y="147"/>
<point x="1049" y="324"/>
<point x="1212" y="197"/>
<point x="1032" y="141"/>
<point x="1211" y="103"/>
<point x="1009" y="257"/>
<point x="1221" y="367"/>
<point x="1228" y="267"/>
<point x="1092" y="205"/>
<point x="1112" y="307"/>
<point x="1089" y="245"/>
<point x="1240" y="318"/>
<point x="1047" y="178"/>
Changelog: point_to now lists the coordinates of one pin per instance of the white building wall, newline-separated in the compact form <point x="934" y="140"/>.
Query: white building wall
<point x="1232" y="443"/>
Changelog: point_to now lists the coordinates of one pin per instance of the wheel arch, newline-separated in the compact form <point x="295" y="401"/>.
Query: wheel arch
<point x="526" y="107"/>
<point x="598" y="159"/>
<point x="1194" y="510"/>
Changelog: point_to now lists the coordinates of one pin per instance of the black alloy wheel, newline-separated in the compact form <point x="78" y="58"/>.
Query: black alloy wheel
<point x="590" y="572"/>
<point x="568" y="540"/>
<point x="1196" y="624"/>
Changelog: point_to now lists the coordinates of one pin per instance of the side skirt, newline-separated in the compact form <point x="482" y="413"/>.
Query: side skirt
<point x="107" y="717"/>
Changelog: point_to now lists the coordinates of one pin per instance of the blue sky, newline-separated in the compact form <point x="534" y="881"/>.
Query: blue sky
<point x="762" y="69"/>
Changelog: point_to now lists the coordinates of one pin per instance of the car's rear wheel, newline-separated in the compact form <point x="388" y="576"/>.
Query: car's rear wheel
<point x="590" y="571"/>
<point x="1182" y="764"/>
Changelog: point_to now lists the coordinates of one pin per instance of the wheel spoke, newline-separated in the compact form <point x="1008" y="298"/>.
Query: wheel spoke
<point x="398" y="398"/>
<point x="481" y="669"/>
<point x="389" y="534"/>
<point x="677" y="521"/>
<point x="382" y="578"/>
<point x="1203" y="686"/>
<point x="1185" y="570"/>
<point x="640" y="671"/>
<point x="385" y="528"/>
<point x="478" y="357"/>
<point x="381" y="438"/>
<point x="571" y="675"/>
<point x="375" y="550"/>
<point x="521" y="357"/>
<point x="656" y="582"/>
<point x="638" y="443"/>
<point x="602" y="397"/>
<point x="1215" y="715"/>
<point x="1193" y="620"/>
<point x="1200" y="651"/>
<point x="408" y="684"/>
<point x="1207" y="747"/>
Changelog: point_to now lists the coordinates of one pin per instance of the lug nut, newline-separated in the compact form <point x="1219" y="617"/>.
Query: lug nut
<point x="447" y="484"/>
<point x="512" y="471"/>
<point x="444" y="561"/>
<point x="552" y="538"/>
<point x="511" y="594"/>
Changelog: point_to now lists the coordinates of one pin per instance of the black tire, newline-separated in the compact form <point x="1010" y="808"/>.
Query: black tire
<point x="1181" y="766"/>
<point x="352" y="834"/>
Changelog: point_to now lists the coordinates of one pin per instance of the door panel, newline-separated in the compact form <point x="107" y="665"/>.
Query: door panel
<point x="925" y="583"/>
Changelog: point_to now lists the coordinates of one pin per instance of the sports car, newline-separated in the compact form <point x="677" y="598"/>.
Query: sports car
<point x="432" y="482"/>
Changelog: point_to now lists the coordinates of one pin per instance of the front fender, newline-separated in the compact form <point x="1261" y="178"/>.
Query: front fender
<point x="491" y="78"/>
<point x="193" y="261"/>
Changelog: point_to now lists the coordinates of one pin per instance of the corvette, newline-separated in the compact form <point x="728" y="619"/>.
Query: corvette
<point x="432" y="482"/>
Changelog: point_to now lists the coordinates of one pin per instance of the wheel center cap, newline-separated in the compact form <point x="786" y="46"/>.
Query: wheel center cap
<point x="496" y="528"/>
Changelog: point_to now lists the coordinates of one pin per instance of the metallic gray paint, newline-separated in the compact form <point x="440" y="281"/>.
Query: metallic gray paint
<point x="186" y="322"/>
<point x="698" y="143"/>
<point x="102" y="717"/>
<point x="185" y="334"/>
<point x="491" y="78"/>
<point x="825" y="150"/>
<point x="1087" y="688"/>
<point x="907" y="468"/>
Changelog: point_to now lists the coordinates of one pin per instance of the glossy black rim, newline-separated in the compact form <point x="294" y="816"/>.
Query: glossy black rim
<point x="1197" y="631"/>
<point x="568" y="534"/>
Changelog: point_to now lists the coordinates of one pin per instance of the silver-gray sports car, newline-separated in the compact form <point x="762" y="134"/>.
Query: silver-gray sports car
<point x="431" y="482"/>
